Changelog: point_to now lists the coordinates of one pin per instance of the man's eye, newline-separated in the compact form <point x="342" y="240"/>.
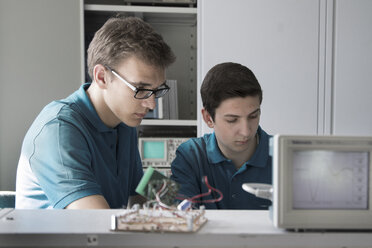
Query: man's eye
<point x="253" y="116"/>
<point x="231" y="120"/>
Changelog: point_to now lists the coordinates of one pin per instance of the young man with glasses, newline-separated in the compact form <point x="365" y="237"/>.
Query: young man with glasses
<point x="81" y="152"/>
<point x="236" y="152"/>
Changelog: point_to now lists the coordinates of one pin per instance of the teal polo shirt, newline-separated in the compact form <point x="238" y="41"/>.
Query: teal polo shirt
<point x="69" y="153"/>
<point x="199" y="157"/>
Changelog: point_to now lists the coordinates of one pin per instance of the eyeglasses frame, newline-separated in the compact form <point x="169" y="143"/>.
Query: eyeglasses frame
<point x="135" y="89"/>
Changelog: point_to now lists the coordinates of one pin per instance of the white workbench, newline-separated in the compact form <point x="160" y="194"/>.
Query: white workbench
<point x="225" y="228"/>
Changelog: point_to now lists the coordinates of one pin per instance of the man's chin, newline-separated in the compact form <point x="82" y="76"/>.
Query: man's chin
<point x="133" y="123"/>
<point x="240" y="148"/>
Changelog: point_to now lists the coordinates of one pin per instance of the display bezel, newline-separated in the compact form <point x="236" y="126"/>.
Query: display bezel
<point x="284" y="214"/>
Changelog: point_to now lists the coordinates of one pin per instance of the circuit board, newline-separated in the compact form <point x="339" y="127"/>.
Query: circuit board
<point x="155" y="186"/>
<point x="159" y="220"/>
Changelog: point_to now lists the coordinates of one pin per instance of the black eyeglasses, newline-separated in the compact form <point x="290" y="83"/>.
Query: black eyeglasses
<point x="142" y="93"/>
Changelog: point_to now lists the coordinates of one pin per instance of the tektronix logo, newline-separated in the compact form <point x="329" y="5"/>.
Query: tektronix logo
<point x="301" y="142"/>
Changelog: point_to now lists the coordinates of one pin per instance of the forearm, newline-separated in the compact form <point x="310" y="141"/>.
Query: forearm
<point x="89" y="202"/>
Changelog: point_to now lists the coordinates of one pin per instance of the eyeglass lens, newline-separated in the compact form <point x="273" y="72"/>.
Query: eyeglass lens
<point x="145" y="93"/>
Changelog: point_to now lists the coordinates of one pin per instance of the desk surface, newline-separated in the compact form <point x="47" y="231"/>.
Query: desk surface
<point x="225" y="228"/>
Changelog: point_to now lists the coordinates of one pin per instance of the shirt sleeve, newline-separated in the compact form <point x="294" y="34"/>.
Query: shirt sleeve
<point x="61" y="161"/>
<point x="186" y="172"/>
<point x="137" y="173"/>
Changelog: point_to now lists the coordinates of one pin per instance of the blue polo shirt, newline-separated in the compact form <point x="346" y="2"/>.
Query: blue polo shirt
<point x="199" y="157"/>
<point x="69" y="153"/>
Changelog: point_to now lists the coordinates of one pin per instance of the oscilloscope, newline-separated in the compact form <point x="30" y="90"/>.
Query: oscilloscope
<point x="159" y="152"/>
<point x="322" y="182"/>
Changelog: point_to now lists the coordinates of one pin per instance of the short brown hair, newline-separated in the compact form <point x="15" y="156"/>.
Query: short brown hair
<point x="228" y="80"/>
<point x="122" y="37"/>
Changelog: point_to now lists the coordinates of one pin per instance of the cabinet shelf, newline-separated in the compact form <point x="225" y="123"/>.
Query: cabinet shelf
<point x="154" y="122"/>
<point x="178" y="27"/>
<point x="143" y="9"/>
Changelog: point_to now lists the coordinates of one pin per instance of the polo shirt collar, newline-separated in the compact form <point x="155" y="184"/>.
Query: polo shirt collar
<point x="213" y="151"/>
<point x="87" y="109"/>
<point x="259" y="158"/>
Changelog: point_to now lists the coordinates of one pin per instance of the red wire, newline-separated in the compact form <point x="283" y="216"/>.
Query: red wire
<point x="210" y="189"/>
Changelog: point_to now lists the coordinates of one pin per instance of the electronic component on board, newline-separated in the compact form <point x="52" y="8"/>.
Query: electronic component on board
<point x="156" y="187"/>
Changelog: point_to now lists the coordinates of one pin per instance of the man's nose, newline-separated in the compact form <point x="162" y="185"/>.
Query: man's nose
<point x="245" y="129"/>
<point x="150" y="102"/>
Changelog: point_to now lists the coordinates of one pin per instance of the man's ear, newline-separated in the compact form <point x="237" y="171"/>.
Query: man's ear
<point x="100" y="76"/>
<point x="207" y="118"/>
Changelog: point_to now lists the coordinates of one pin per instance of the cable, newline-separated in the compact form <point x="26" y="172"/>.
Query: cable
<point x="209" y="192"/>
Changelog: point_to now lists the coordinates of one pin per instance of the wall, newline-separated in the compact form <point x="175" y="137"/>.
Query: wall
<point x="352" y="98"/>
<point x="279" y="42"/>
<point x="312" y="59"/>
<point x="40" y="61"/>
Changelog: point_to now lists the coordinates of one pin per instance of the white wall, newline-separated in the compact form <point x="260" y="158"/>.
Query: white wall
<point x="279" y="42"/>
<point x="352" y="99"/>
<point x="40" y="61"/>
<point x="312" y="58"/>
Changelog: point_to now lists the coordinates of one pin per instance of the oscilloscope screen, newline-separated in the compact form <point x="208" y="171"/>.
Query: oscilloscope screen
<point x="325" y="179"/>
<point x="154" y="150"/>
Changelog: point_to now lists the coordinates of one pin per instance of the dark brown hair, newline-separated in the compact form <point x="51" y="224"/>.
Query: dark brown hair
<point x="228" y="80"/>
<point x="122" y="37"/>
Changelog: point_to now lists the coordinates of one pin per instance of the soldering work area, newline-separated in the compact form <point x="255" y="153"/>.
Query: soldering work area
<point x="165" y="210"/>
